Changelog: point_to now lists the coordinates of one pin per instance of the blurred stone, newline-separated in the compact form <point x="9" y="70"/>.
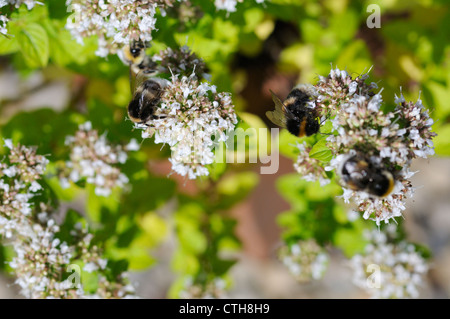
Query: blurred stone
<point x="7" y="289"/>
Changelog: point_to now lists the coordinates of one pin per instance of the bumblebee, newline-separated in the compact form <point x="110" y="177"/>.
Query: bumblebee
<point x="134" y="56"/>
<point x="294" y="114"/>
<point x="134" y="53"/>
<point x="147" y="95"/>
<point x="359" y="173"/>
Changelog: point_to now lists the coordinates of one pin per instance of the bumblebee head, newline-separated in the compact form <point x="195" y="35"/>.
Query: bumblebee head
<point x="134" y="53"/>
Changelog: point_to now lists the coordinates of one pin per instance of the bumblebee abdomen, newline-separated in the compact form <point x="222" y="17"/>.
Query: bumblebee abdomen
<point x="134" y="110"/>
<point x="293" y="126"/>
<point x="141" y="110"/>
<point x="360" y="174"/>
<point x="312" y="126"/>
<point x="306" y="126"/>
<point x="382" y="184"/>
<point x="147" y="111"/>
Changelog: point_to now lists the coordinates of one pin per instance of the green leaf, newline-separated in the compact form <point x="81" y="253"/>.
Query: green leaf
<point x="149" y="194"/>
<point x="321" y="152"/>
<point x="72" y="217"/>
<point x="89" y="281"/>
<point x="177" y="287"/>
<point x="192" y="239"/>
<point x="326" y="127"/>
<point x="8" y="45"/>
<point x="355" y="54"/>
<point x="34" y="45"/>
<point x="288" y="144"/>
<point x="234" y="188"/>
<point x="65" y="194"/>
<point x="345" y="25"/>
<point x="440" y="95"/>
<point x="125" y="238"/>
<point x="98" y="206"/>
<point x="63" y="48"/>
<point x="351" y="241"/>
<point x="58" y="9"/>
<point x="218" y="167"/>
<point x="184" y="262"/>
<point x="221" y="266"/>
<point x="139" y="259"/>
<point x="44" y="128"/>
<point x="3" y="260"/>
<point x="154" y="229"/>
<point x="441" y="141"/>
<point x="118" y="267"/>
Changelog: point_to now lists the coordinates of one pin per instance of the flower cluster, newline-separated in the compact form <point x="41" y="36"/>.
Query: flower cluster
<point x="305" y="260"/>
<point x="114" y="22"/>
<point x="388" y="269"/>
<point x="185" y="12"/>
<point x="181" y="61"/>
<point x="41" y="259"/>
<point x="229" y="5"/>
<point x="92" y="157"/>
<point x="19" y="183"/>
<point x="194" y="118"/>
<point x="17" y="3"/>
<point x="3" y="21"/>
<point x="214" y="289"/>
<point x="309" y="167"/>
<point x="91" y="256"/>
<point x="391" y="140"/>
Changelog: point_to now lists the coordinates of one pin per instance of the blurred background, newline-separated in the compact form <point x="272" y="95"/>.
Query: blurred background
<point x="260" y="47"/>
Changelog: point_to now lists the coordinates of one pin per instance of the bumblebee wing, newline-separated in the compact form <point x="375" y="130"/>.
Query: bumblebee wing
<point x="132" y="80"/>
<point x="278" y="116"/>
<point x="137" y="78"/>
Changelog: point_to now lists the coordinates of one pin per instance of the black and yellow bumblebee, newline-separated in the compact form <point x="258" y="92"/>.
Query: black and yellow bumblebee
<point x="134" y="53"/>
<point x="144" y="105"/>
<point x="146" y="91"/>
<point x="134" y="56"/>
<point x="360" y="173"/>
<point x="294" y="114"/>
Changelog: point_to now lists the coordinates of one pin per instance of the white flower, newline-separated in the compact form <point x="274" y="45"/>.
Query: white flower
<point x="305" y="260"/>
<point x="8" y="143"/>
<point x="352" y="87"/>
<point x="116" y="23"/>
<point x="400" y="268"/>
<point x="35" y="186"/>
<point x="102" y="263"/>
<point x="3" y="21"/>
<point x="10" y="171"/>
<point x="228" y="5"/>
<point x="401" y="99"/>
<point x="195" y="115"/>
<point x="92" y="157"/>
<point x="90" y="267"/>
<point x="132" y="145"/>
<point x="375" y="102"/>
